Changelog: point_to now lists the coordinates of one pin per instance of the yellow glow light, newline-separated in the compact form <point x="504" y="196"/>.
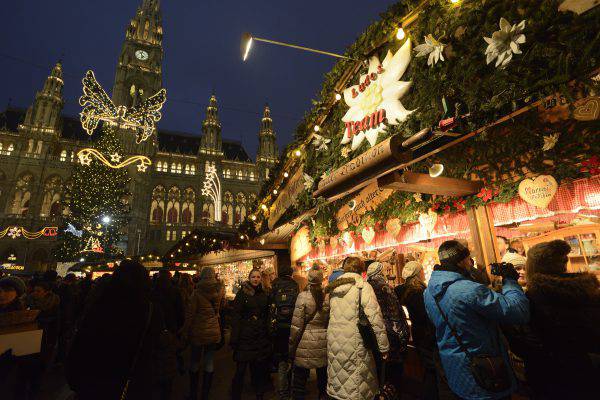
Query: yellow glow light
<point x="262" y="241"/>
<point x="338" y="97"/>
<point x="297" y="153"/>
<point x="253" y="217"/>
<point x="275" y="191"/>
<point x="317" y="128"/>
<point x="264" y="207"/>
<point x="285" y="174"/>
<point x="400" y="34"/>
<point x="85" y="157"/>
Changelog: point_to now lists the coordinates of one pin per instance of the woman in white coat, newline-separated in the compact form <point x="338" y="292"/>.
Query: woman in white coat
<point x="351" y="370"/>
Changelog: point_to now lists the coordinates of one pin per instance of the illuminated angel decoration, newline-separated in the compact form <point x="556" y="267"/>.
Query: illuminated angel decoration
<point x="97" y="106"/>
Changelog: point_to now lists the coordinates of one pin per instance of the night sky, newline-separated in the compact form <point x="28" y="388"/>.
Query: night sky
<point x="201" y="53"/>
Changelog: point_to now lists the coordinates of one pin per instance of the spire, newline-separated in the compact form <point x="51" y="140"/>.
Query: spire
<point x="44" y="115"/>
<point x="146" y="26"/>
<point x="211" y="129"/>
<point x="267" y="146"/>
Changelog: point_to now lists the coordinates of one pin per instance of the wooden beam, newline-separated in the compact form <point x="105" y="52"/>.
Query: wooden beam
<point x="423" y="183"/>
<point x="483" y="236"/>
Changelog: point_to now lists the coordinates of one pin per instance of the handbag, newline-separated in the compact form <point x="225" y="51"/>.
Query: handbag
<point x="364" y="326"/>
<point x="490" y="372"/>
<point x="137" y="354"/>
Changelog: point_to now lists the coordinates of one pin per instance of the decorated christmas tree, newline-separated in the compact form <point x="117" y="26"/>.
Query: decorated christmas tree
<point x="97" y="203"/>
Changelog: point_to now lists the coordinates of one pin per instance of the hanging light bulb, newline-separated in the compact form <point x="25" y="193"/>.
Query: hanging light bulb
<point x="275" y="191"/>
<point x="285" y="174"/>
<point x="338" y="97"/>
<point x="400" y="34"/>
<point x="317" y="128"/>
<point x="298" y="153"/>
<point x="436" y="170"/>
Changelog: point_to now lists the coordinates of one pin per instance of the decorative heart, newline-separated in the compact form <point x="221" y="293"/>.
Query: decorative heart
<point x="393" y="226"/>
<point x="588" y="110"/>
<point x="428" y="221"/>
<point x="538" y="191"/>
<point x="347" y="238"/>
<point x="368" y="234"/>
<point x="333" y="242"/>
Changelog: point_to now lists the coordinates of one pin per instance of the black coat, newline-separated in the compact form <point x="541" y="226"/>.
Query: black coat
<point x="249" y="333"/>
<point x="565" y="322"/>
<point x="423" y="332"/>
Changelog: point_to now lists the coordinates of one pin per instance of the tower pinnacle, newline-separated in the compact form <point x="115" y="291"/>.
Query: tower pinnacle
<point x="267" y="146"/>
<point x="211" y="129"/>
<point x="44" y="115"/>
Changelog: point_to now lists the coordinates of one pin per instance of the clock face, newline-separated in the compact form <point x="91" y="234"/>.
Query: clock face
<point x="141" y="55"/>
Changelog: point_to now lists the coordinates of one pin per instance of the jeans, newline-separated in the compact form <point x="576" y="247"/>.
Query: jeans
<point x="300" y="378"/>
<point x="204" y="355"/>
<point x="284" y="376"/>
<point x="257" y="375"/>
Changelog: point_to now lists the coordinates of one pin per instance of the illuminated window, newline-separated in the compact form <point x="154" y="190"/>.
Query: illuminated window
<point x="179" y="168"/>
<point x="187" y="169"/>
<point x="63" y="155"/>
<point x="192" y="170"/>
<point x="11" y="147"/>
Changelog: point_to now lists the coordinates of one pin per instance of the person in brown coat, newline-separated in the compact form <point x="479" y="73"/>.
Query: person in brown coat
<point x="203" y="329"/>
<point x="308" y="337"/>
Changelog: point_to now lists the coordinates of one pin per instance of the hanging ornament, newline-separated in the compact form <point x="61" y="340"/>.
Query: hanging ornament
<point x="308" y="182"/>
<point x="550" y="141"/>
<point x="93" y="246"/>
<point x="14" y="232"/>
<point x="428" y="221"/>
<point x="348" y="239"/>
<point x="504" y="43"/>
<point x="320" y="142"/>
<point x="393" y="226"/>
<point x="538" y="191"/>
<point x="431" y="47"/>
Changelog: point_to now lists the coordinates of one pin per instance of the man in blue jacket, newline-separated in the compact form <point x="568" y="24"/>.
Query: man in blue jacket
<point x="474" y="312"/>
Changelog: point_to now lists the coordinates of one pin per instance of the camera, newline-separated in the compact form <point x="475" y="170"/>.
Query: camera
<point x="502" y="269"/>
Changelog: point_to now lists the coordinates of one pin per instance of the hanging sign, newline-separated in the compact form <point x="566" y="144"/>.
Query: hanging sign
<point x="287" y="197"/>
<point x="538" y="191"/>
<point x="375" y="100"/>
<point x="368" y="198"/>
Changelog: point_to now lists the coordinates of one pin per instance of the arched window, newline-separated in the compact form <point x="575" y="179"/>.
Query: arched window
<point x="22" y="196"/>
<point x="38" y="149"/>
<point x="227" y="173"/>
<point x="146" y="29"/>
<point x="239" y="174"/>
<point x="173" y="207"/>
<point x="187" y="169"/>
<point x="240" y="208"/>
<point x="187" y="209"/>
<point x="158" y="205"/>
<point x="227" y="210"/>
<point x="63" y="155"/>
<point x="51" y="200"/>
<point x="252" y="175"/>
<point x="11" y="148"/>
<point x="192" y="169"/>
<point x="178" y="168"/>
<point x="173" y="167"/>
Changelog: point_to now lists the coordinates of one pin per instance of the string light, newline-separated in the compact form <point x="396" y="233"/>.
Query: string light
<point x="285" y="174"/>
<point x="85" y="158"/>
<point x="400" y="34"/>
<point x="297" y="153"/>
<point x="253" y="217"/>
<point x="275" y="191"/>
<point x="264" y="207"/>
<point x="454" y="1"/>
<point x="317" y="128"/>
<point x="15" y="232"/>
<point x="338" y="97"/>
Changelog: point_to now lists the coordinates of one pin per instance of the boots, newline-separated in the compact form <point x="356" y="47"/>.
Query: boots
<point x="194" y="377"/>
<point x="206" y="384"/>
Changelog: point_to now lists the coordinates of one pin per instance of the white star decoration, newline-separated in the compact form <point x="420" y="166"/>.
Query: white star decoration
<point x="115" y="157"/>
<point x="142" y="167"/>
<point x="85" y="159"/>
<point x="383" y="93"/>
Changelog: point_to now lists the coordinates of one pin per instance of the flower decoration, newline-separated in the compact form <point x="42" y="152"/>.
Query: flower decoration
<point x="320" y="142"/>
<point x="591" y="166"/>
<point x="550" y="141"/>
<point x="459" y="204"/>
<point x="504" y="43"/>
<point x="485" y="194"/>
<point x="308" y="181"/>
<point x="14" y="232"/>
<point x="418" y="198"/>
<point x="432" y="47"/>
<point x="346" y="151"/>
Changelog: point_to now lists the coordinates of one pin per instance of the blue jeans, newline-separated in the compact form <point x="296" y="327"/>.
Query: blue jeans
<point x="205" y="356"/>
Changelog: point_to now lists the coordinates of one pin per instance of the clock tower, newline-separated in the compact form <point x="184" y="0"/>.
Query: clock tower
<point x="139" y="71"/>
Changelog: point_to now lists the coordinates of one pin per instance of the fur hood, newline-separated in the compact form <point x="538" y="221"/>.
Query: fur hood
<point x="344" y="283"/>
<point x="572" y="289"/>
<point x="249" y="290"/>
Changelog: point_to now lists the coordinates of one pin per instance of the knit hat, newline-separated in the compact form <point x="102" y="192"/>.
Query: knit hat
<point x="375" y="268"/>
<point x="14" y="282"/>
<point x="548" y="257"/>
<point x="315" y="277"/>
<point x="515" y="259"/>
<point x="452" y="252"/>
<point x="411" y="268"/>
<point x="284" y="270"/>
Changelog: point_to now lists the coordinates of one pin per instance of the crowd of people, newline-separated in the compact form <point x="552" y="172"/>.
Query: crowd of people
<point x="533" y="329"/>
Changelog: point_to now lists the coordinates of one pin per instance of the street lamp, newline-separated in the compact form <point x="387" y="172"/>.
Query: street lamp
<point x="248" y="39"/>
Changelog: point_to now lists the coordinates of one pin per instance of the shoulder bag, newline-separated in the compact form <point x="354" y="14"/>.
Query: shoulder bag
<point x="364" y="326"/>
<point x="490" y="372"/>
<point x="137" y="354"/>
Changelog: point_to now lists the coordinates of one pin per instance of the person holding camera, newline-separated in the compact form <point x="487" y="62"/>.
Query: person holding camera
<point x="466" y="316"/>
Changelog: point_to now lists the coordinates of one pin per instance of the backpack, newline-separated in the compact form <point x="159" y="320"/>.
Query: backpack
<point x="285" y="293"/>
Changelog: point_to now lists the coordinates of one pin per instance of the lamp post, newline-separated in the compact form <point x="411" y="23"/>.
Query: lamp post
<point x="248" y="39"/>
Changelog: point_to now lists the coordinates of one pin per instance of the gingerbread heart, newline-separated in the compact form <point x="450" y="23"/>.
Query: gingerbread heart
<point x="393" y="226"/>
<point x="428" y="221"/>
<point x="588" y="109"/>
<point x="538" y="191"/>
<point x="368" y="234"/>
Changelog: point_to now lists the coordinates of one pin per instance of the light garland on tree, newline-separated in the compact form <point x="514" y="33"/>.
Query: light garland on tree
<point x="85" y="158"/>
<point x="15" y="232"/>
<point x="97" y="106"/>
<point x="93" y="246"/>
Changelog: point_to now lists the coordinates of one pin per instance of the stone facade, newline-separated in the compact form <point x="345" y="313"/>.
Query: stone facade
<point x="38" y="149"/>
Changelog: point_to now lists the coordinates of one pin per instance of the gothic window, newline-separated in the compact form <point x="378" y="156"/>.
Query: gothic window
<point x="240" y="208"/>
<point x="173" y="167"/>
<point x="158" y="205"/>
<point x="266" y="173"/>
<point x="187" y="169"/>
<point x="252" y="175"/>
<point x="30" y="146"/>
<point x="173" y="207"/>
<point x="38" y="149"/>
<point x="239" y="174"/>
<point x="227" y="209"/>
<point x="22" y="196"/>
<point x="187" y="209"/>
<point x="63" y="155"/>
<point x="192" y="169"/>
<point x="227" y="173"/>
<point x="51" y="200"/>
<point x="1" y="152"/>
<point x="178" y="168"/>
<point x="72" y="156"/>
<point x="208" y="213"/>
<point x="11" y="148"/>
<point x="146" y="29"/>
<point x="159" y="166"/>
